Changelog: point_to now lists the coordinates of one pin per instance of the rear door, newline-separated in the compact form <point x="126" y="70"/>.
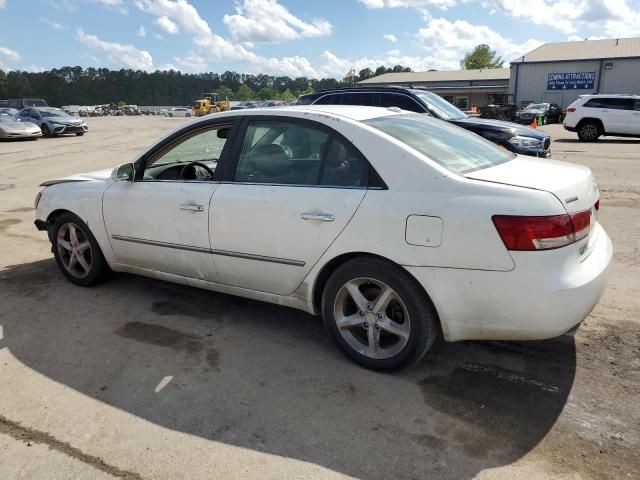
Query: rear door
<point x="634" y="120"/>
<point x="615" y="114"/>
<point x="293" y="188"/>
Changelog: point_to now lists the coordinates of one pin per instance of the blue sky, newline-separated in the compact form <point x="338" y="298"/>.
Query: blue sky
<point x="314" y="38"/>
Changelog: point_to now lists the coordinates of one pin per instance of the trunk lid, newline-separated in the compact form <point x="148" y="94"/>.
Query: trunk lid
<point x="574" y="185"/>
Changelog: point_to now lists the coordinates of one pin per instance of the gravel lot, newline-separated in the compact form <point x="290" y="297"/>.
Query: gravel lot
<point x="143" y="379"/>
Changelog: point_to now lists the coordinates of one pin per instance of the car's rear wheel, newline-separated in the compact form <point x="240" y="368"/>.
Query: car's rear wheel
<point x="378" y="314"/>
<point x="77" y="252"/>
<point x="589" y="131"/>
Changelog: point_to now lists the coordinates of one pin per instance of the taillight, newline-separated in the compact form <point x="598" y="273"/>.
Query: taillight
<point x="571" y="109"/>
<point x="544" y="232"/>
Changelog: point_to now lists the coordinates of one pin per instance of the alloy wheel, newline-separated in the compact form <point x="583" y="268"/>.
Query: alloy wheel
<point x="74" y="250"/>
<point x="589" y="131"/>
<point x="372" y="318"/>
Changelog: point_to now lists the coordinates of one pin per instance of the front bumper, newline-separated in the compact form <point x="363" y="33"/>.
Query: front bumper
<point x="18" y="135"/>
<point x="62" y="129"/>
<point x="547" y="294"/>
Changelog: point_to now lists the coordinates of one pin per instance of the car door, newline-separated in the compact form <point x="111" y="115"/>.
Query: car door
<point x="616" y="114"/>
<point x="634" y="119"/>
<point x="294" y="187"/>
<point x="161" y="221"/>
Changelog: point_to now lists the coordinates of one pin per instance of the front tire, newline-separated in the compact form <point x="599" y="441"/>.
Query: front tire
<point x="378" y="314"/>
<point x="45" y="130"/>
<point x="77" y="252"/>
<point x="589" y="131"/>
<point x="79" y="134"/>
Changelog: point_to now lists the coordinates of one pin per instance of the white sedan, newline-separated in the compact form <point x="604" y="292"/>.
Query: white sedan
<point x="180" y="112"/>
<point x="396" y="227"/>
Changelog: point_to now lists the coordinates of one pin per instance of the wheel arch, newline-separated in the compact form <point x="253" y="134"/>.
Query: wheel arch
<point x="333" y="264"/>
<point x="597" y="121"/>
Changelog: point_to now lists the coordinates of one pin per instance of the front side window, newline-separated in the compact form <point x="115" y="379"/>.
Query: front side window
<point x="438" y="106"/>
<point x="291" y="153"/>
<point x="456" y="149"/>
<point x="401" y="101"/>
<point x="193" y="157"/>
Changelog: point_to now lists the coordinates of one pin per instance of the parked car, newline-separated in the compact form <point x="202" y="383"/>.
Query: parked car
<point x="180" y="112"/>
<point x="592" y="116"/>
<point x="395" y="226"/>
<point x="517" y="139"/>
<point x="20" y="103"/>
<point x="10" y="128"/>
<point x="550" y="112"/>
<point x="53" y="121"/>
<point x="8" y="111"/>
<point x="245" y="105"/>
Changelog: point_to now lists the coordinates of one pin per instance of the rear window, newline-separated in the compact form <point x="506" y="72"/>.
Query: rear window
<point x="452" y="147"/>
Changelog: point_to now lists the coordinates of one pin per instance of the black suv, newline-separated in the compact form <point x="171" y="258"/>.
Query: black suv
<point x="516" y="138"/>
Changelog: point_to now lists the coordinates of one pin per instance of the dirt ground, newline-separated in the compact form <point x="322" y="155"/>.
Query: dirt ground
<point x="138" y="378"/>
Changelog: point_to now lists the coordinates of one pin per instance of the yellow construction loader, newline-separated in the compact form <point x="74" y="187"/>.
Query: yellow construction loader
<point x="210" y="103"/>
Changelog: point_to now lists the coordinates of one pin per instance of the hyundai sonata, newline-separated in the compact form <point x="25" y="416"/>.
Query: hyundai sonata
<point x="395" y="226"/>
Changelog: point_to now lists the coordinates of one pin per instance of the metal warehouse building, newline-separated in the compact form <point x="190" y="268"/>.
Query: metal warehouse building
<point x="559" y="72"/>
<point x="463" y="88"/>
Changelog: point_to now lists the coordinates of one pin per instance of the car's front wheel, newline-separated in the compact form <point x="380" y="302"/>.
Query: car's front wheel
<point x="378" y="314"/>
<point x="45" y="130"/>
<point x="79" y="134"/>
<point x="77" y="252"/>
<point x="589" y="131"/>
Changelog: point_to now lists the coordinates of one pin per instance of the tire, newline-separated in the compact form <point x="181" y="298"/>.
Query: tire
<point x="188" y="115"/>
<point x="45" y="130"/>
<point x="93" y="268"/>
<point x="171" y="115"/>
<point x="545" y="120"/>
<point x="79" y="134"/>
<point x="589" y="131"/>
<point x="408" y="312"/>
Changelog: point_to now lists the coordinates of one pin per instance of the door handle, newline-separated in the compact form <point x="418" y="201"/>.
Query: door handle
<point x="194" y="207"/>
<point x="323" y="217"/>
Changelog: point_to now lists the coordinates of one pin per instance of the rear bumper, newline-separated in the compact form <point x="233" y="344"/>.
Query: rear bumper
<point x="547" y="294"/>
<point x="567" y="127"/>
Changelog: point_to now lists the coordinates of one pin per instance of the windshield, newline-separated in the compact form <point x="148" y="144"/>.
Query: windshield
<point x="452" y="147"/>
<point x="6" y="118"/>
<point x="438" y="106"/>
<point x="53" y="113"/>
<point x="536" y="106"/>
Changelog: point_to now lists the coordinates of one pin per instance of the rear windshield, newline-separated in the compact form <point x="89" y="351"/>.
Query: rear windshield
<point x="452" y="147"/>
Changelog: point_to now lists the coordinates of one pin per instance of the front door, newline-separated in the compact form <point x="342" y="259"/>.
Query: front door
<point x="634" y="119"/>
<point x="294" y="188"/>
<point x="161" y="221"/>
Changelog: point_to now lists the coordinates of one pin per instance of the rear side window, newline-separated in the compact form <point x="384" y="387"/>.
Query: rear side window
<point x="292" y="153"/>
<point x="401" y="101"/>
<point x="612" y="103"/>
<point x="364" y="98"/>
<point x="456" y="149"/>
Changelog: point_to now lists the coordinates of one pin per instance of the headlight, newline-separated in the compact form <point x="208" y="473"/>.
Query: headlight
<point x="525" y="142"/>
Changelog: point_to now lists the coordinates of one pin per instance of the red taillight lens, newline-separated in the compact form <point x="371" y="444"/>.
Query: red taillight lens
<point x="571" y="109"/>
<point x="542" y="233"/>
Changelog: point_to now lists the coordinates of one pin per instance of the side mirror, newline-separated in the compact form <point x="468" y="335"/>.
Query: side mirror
<point x="125" y="172"/>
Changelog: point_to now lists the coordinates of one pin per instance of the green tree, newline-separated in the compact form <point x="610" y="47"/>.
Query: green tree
<point x="482" y="57"/>
<point x="245" y="93"/>
<point x="288" y="95"/>
<point x="225" y="92"/>
<point x="268" y="93"/>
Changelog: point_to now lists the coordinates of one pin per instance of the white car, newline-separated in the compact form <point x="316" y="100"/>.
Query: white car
<point x="592" y="116"/>
<point x="10" y="128"/>
<point x="395" y="226"/>
<point x="180" y="112"/>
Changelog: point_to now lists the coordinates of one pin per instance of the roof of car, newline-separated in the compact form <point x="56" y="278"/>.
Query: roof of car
<point x="610" y="95"/>
<point x="353" y="112"/>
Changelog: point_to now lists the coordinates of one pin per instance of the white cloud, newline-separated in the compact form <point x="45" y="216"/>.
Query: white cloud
<point x="180" y="12"/>
<point x="444" y="4"/>
<point x="391" y="37"/>
<point x="613" y="18"/>
<point x="52" y="23"/>
<point x="167" y="25"/>
<point x="158" y="36"/>
<point x="141" y="32"/>
<point x="10" y="54"/>
<point x="33" y="68"/>
<point x="447" y="42"/>
<point x="2" y="3"/>
<point x="168" y="66"/>
<point x="123" y="55"/>
<point x="393" y="53"/>
<point x="268" y="21"/>
<point x="116" y="4"/>
<point x="578" y="38"/>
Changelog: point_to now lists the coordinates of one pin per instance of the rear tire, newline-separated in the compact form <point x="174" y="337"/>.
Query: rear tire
<point x="589" y="131"/>
<point x="378" y="314"/>
<point x="77" y="252"/>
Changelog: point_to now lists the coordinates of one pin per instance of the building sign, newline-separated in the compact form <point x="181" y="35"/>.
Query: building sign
<point x="571" y="81"/>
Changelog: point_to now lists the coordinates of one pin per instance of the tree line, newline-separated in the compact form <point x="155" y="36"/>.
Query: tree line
<point x="96" y="86"/>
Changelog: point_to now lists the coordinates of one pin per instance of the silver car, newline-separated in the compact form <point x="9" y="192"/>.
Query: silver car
<point x="53" y="121"/>
<point x="11" y="128"/>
